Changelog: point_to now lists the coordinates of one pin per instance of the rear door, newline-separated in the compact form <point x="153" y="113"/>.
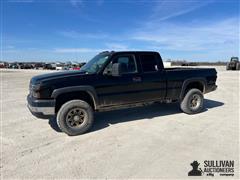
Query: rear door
<point x="153" y="77"/>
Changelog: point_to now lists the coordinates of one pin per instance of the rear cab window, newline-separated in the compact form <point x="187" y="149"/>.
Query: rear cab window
<point x="148" y="63"/>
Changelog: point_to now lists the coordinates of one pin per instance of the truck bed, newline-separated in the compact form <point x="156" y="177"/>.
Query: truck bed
<point x="176" y="77"/>
<point x="185" y="68"/>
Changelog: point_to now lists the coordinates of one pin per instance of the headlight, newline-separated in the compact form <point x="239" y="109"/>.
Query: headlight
<point x="36" y="87"/>
<point x="36" y="94"/>
<point x="34" y="90"/>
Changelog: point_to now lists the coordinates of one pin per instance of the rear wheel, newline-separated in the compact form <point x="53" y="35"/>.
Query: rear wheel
<point x="75" y="117"/>
<point x="192" y="103"/>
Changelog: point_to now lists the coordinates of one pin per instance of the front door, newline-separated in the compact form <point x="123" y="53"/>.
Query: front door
<point x="120" y="90"/>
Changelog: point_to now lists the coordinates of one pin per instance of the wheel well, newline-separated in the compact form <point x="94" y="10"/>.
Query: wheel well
<point x="80" y="95"/>
<point x="194" y="85"/>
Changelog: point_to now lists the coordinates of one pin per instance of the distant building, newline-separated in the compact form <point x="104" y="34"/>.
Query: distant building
<point x="167" y="64"/>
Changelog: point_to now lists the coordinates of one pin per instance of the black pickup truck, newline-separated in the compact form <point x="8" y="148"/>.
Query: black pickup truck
<point x="114" y="80"/>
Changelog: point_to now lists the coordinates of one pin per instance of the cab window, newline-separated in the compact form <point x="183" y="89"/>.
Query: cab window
<point x="148" y="63"/>
<point x="128" y="63"/>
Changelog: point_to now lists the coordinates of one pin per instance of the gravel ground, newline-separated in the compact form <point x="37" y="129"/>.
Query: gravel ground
<point x="157" y="141"/>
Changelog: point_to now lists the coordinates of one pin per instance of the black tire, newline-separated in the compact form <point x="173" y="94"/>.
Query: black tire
<point x="75" y="126"/>
<point x="238" y="66"/>
<point x="189" y="103"/>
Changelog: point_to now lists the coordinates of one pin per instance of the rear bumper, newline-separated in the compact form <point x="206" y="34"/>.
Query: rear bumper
<point x="211" y="88"/>
<point x="43" y="109"/>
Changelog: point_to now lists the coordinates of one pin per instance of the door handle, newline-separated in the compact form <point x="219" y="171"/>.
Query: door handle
<point x="137" y="79"/>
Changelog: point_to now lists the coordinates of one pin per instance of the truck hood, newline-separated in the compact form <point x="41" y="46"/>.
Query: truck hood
<point x="56" y="75"/>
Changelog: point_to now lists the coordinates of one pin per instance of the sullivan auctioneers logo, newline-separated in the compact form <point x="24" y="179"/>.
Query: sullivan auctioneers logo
<point x="212" y="168"/>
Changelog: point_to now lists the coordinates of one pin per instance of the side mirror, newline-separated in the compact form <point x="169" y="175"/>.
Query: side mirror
<point x="117" y="69"/>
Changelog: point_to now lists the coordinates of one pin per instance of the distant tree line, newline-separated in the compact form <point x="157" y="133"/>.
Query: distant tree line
<point x="190" y="63"/>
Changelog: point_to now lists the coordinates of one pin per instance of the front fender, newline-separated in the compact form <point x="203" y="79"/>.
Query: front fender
<point x="89" y="89"/>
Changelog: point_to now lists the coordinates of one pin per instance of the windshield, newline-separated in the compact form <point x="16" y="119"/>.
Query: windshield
<point x="95" y="64"/>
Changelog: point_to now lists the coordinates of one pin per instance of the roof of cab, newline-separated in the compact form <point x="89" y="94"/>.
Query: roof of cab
<point x="119" y="52"/>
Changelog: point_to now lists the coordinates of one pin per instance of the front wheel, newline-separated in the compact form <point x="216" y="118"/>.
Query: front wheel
<point x="75" y="117"/>
<point x="192" y="103"/>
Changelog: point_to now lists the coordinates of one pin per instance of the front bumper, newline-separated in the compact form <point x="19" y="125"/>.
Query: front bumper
<point x="43" y="109"/>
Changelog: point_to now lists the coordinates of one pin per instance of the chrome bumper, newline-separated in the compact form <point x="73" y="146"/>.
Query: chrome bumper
<point x="41" y="108"/>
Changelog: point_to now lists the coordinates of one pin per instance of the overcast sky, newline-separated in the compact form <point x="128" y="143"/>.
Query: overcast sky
<point x="204" y="30"/>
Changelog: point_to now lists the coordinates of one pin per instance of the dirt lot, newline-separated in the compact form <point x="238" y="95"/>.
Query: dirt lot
<point x="157" y="141"/>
